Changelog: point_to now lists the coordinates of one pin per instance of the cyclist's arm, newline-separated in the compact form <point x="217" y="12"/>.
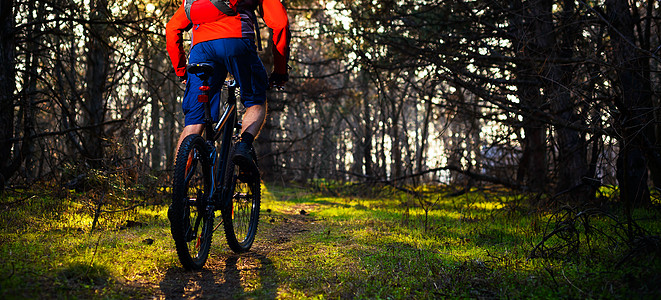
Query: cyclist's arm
<point x="275" y="18"/>
<point x="175" y="40"/>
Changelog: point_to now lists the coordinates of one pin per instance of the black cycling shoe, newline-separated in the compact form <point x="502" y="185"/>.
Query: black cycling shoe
<point x="244" y="158"/>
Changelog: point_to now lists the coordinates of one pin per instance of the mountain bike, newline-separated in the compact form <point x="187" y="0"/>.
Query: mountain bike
<point x="206" y="181"/>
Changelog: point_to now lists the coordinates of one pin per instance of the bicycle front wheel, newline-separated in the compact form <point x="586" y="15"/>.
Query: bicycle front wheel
<point x="241" y="213"/>
<point x="191" y="220"/>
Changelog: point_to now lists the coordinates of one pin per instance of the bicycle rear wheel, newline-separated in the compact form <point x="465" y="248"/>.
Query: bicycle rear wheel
<point x="241" y="213"/>
<point x="191" y="223"/>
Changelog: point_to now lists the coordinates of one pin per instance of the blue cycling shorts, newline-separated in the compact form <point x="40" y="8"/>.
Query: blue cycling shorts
<point x="238" y="56"/>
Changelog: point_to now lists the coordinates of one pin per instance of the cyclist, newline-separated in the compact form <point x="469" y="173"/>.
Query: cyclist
<point x="226" y="40"/>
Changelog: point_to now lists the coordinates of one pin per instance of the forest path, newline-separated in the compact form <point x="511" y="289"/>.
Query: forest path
<point x="227" y="275"/>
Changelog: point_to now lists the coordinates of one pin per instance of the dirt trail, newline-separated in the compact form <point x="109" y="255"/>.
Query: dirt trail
<point x="230" y="276"/>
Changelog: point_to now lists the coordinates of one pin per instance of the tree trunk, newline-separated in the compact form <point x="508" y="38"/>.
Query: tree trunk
<point x="572" y="161"/>
<point x="653" y="134"/>
<point x="424" y="136"/>
<point x="634" y="104"/>
<point x="395" y="147"/>
<point x="30" y="91"/>
<point x="96" y="77"/>
<point x="153" y="88"/>
<point x="368" y="132"/>
<point x="381" y="142"/>
<point x="532" y="171"/>
<point x="362" y="151"/>
<point x="7" y="86"/>
<point x="170" y="125"/>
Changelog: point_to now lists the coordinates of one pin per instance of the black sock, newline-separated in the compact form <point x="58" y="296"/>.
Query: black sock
<point x="247" y="137"/>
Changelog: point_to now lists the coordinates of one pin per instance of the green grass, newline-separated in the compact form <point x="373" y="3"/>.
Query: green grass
<point x="47" y="250"/>
<point x="476" y="245"/>
<point x="473" y="247"/>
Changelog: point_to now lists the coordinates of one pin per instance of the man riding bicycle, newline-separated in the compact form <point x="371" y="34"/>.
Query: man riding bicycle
<point x="223" y="35"/>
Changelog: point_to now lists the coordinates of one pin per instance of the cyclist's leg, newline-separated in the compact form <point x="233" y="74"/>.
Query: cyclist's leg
<point x="188" y="130"/>
<point x="240" y="58"/>
<point x="243" y="62"/>
<point x="253" y="119"/>
<point x="194" y="110"/>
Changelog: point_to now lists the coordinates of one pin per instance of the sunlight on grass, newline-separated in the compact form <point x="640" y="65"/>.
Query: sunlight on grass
<point x="488" y="205"/>
<point x="381" y="248"/>
<point x="267" y="196"/>
<point x="315" y="246"/>
<point x="66" y="258"/>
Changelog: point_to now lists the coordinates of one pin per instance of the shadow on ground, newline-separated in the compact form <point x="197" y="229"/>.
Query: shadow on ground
<point x="231" y="276"/>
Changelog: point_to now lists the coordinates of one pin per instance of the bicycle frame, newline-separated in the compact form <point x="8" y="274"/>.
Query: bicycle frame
<point x="223" y="129"/>
<point x="218" y="186"/>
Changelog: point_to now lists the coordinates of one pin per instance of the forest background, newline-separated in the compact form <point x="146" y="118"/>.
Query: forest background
<point x="548" y="97"/>
<point x="554" y="100"/>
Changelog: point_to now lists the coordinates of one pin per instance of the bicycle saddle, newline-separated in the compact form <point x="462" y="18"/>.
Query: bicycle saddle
<point x="202" y="68"/>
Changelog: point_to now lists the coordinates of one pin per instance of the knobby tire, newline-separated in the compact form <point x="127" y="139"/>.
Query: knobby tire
<point x="190" y="223"/>
<point x="241" y="212"/>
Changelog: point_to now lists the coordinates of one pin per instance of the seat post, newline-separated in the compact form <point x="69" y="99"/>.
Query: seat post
<point x="204" y="72"/>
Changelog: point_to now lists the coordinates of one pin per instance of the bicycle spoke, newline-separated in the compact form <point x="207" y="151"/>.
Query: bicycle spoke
<point x="242" y="214"/>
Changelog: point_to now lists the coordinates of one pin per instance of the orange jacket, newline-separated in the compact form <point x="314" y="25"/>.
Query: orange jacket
<point x="238" y="26"/>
